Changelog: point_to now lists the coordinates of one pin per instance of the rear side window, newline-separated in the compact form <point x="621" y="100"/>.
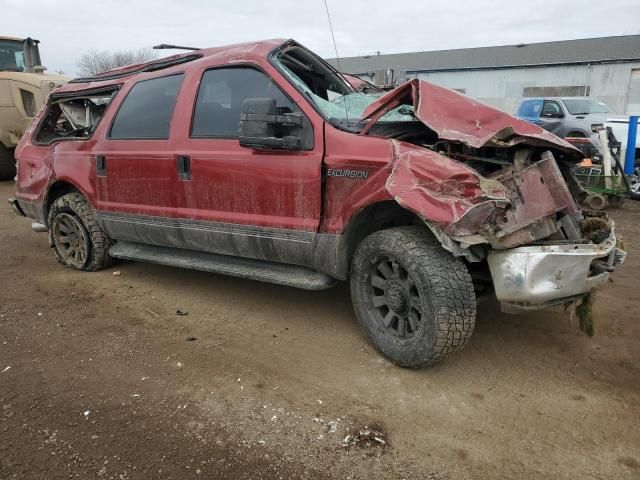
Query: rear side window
<point x="74" y="116"/>
<point x="146" y="112"/>
<point x="221" y="95"/>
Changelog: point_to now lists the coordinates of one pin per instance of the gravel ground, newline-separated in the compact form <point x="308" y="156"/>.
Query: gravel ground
<point x="100" y="378"/>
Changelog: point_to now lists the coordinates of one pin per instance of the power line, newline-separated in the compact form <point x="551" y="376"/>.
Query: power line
<point x="335" y="47"/>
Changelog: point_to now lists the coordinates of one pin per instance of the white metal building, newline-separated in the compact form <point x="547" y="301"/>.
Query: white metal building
<point x="607" y="68"/>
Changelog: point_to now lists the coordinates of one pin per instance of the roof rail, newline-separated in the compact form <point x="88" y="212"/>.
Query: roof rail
<point x="168" y="46"/>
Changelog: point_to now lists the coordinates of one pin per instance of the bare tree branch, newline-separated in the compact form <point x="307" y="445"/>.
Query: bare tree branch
<point x="94" y="62"/>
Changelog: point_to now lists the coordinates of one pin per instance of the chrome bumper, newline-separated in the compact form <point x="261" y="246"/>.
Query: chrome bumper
<point x="535" y="277"/>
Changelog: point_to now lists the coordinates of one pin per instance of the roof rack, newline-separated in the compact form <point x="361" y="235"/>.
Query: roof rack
<point x="168" y="46"/>
<point x="147" y="67"/>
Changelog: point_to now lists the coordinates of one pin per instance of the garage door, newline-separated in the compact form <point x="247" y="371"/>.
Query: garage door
<point x="633" y="96"/>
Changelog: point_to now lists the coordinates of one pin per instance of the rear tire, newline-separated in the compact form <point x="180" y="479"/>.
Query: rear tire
<point x="7" y="163"/>
<point x="75" y="236"/>
<point x="415" y="302"/>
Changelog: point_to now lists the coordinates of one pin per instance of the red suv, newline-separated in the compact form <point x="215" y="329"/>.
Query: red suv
<point x="260" y="160"/>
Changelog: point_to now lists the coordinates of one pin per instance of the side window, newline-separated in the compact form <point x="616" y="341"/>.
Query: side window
<point x="73" y="117"/>
<point x="551" y="109"/>
<point x="221" y="95"/>
<point x="146" y="112"/>
<point x="530" y="108"/>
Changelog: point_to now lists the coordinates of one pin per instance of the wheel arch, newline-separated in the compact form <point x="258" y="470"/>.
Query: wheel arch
<point x="58" y="189"/>
<point x="576" y="134"/>
<point x="333" y="253"/>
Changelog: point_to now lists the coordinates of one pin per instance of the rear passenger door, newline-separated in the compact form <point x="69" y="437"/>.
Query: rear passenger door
<point x="244" y="202"/>
<point x="136" y="176"/>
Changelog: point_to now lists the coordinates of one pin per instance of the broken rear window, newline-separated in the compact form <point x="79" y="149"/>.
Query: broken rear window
<point x="331" y="94"/>
<point x="73" y="117"/>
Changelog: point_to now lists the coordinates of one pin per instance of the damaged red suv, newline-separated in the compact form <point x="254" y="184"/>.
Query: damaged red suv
<point x="261" y="161"/>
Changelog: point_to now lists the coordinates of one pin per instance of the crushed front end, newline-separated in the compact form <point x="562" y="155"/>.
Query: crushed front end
<point x="549" y="273"/>
<point x="500" y="193"/>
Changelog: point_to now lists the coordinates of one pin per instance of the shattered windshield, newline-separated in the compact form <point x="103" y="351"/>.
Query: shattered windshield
<point x="349" y="108"/>
<point x="11" y="56"/>
<point x="338" y="102"/>
<point x="583" y="106"/>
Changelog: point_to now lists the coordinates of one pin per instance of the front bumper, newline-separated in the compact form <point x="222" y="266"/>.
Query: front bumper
<point x="535" y="277"/>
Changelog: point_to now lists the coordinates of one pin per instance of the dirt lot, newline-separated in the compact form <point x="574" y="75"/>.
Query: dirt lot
<point x="261" y="381"/>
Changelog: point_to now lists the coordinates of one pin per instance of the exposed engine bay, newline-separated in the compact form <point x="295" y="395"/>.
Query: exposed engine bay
<point x="482" y="180"/>
<point x="518" y="195"/>
<point x="511" y="212"/>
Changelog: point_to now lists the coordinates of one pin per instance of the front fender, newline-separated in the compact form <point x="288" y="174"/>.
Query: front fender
<point x="441" y="190"/>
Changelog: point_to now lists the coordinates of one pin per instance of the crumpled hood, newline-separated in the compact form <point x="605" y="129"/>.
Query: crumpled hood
<point x="511" y="207"/>
<point x="457" y="117"/>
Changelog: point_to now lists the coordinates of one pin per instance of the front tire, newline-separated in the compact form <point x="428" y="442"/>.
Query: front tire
<point x="414" y="301"/>
<point x="76" y="238"/>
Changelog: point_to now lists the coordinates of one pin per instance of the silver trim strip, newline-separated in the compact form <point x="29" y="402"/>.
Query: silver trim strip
<point x="209" y="226"/>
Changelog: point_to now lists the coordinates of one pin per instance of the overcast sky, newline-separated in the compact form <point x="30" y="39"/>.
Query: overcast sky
<point x="68" y="28"/>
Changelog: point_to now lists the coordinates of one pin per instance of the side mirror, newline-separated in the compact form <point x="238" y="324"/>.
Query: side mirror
<point x="261" y="128"/>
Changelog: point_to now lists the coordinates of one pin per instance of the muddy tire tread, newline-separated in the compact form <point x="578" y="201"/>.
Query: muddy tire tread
<point x="99" y="249"/>
<point x="448" y="286"/>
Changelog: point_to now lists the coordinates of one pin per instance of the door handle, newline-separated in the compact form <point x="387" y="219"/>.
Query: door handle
<point x="184" y="167"/>
<point x="101" y="165"/>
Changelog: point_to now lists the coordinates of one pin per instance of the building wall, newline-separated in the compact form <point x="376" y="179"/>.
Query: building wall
<point x="503" y="88"/>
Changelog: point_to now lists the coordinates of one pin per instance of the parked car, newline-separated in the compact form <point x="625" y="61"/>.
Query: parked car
<point x="259" y="160"/>
<point x="567" y="116"/>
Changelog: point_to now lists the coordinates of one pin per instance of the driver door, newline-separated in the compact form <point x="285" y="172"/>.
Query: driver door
<point x="262" y="204"/>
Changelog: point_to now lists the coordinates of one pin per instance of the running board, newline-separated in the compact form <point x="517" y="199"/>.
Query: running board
<point x="271" y="272"/>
